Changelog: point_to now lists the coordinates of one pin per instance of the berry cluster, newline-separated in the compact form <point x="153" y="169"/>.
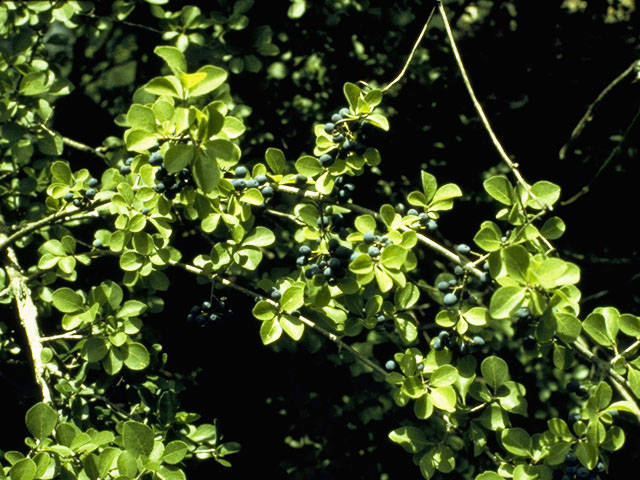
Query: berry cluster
<point x="456" y="344"/>
<point x="450" y="298"/>
<point x="376" y="243"/>
<point x="423" y="221"/>
<point x="240" y="182"/>
<point x="574" y="471"/>
<point x="207" y="313"/>
<point x="341" y="135"/>
<point x="330" y="267"/>
<point x="344" y="189"/>
<point x="171" y="184"/>
<point x="87" y="195"/>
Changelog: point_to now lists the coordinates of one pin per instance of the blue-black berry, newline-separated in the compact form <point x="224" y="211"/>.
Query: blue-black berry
<point x="450" y="299"/>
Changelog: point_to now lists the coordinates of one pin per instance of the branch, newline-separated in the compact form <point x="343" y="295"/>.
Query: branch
<point x="588" y="116"/>
<point x="310" y="323"/>
<point x="66" y="215"/>
<point x="413" y="51"/>
<point x="465" y="77"/>
<point x="433" y="245"/>
<point x="73" y="143"/>
<point x="27" y="313"/>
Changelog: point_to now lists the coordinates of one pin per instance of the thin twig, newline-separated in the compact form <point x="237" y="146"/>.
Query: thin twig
<point x="485" y="121"/>
<point x="310" y="323"/>
<point x="584" y="190"/>
<point x="433" y="245"/>
<point x="413" y="51"/>
<point x="74" y="143"/>
<point x="588" y="116"/>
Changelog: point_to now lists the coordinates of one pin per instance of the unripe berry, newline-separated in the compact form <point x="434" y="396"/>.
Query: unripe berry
<point x="450" y="299"/>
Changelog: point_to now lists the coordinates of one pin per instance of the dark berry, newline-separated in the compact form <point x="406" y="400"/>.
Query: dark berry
<point x="93" y="182"/>
<point x="68" y="196"/>
<point x="484" y="277"/>
<point x="432" y="225"/>
<point x="238" y="183"/>
<point x="458" y="270"/>
<point x="450" y="299"/>
<point x="261" y="179"/>
<point x="252" y="183"/>
<point x="338" y="138"/>
<point x="523" y="312"/>
<point x="326" y="159"/>
<point x="344" y="112"/>
<point x="573" y="385"/>
<point x="438" y="344"/>
<point x="335" y="118"/>
<point x="201" y="319"/>
<point x="453" y="282"/>
<point x="128" y="161"/>
<point x="412" y="211"/>
<point x="322" y="221"/>
<point x="160" y="187"/>
<point x="529" y="342"/>
<point x="582" y="473"/>
<point x="582" y="391"/>
<point x="373" y="251"/>
<point x="599" y="468"/>
<point x="301" y="261"/>
<point x="301" y="179"/>
<point x="359" y="148"/>
<point x="213" y="317"/>
<point x="381" y="318"/>
<point x="304" y="250"/>
<point x="241" y="172"/>
<point x="573" y="418"/>
<point x="196" y="309"/>
<point x="328" y="127"/>
<point x="463" y="248"/>
<point x="334" y="263"/>
<point x="348" y="145"/>
<point x="275" y="294"/>
<point x="267" y="191"/>
<point x="343" y="252"/>
<point x="97" y="243"/>
<point x="145" y="211"/>
<point x="368" y="238"/>
<point x="478" y="341"/>
<point x="443" y="286"/>
<point x="390" y="365"/>
<point x="333" y="244"/>
<point x="206" y="306"/>
<point x="327" y="272"/>
<point x="77" y="202"/>
<point x="91" y="192"/>
<point x="155" y="158"/>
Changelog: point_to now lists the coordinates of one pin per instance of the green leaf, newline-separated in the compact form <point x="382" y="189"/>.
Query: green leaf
<point x="292" y="326"/>
<point x="352" y="94"/>
<point x="275" y="159"/>
<point x="546" y="192"/>
<point x="107" y="461"/>
<point x="260" y="237"/>
<point x="411" y="439"/>
<point x="293" y="297"/>
<point x="270" y="331"/>
<point x="139" y="140"/>
<point x="137" y="438"/>
<point x="443" y="196"/>
<point x="137" y="356"/>
<point x="131" y="308"/>
<point x="489" y="475"/>
<point x="500" y="189"/>
<point x="325" y="183"/>
<point x="264" y="310"/>
<point x="596" y="328"/>
<point x="61" y="172"/>
<point x="629" y="324"/>
<point x="379" y="121"/>
<point x="131" y="261"/>
<point x="24" y="469"/>
<point x="178" y="156"/>
<point x="393" y="256"/>
<point x="214" y="77"/>
<point x="505" y="301"/>
<point x="67" y="301"/>
<point x="361" y="265"/>
<point x="429" y="185"/>
<point x="252" y="196"/>
<point x="443" y="376"/>
<point x="516" y="260"/>
<point x="587" y="454"/>
<point x="164" y="86"/>
<point x="568" y="327"/>
<point x="95" y="349"/>
<point x="365" y="223"/>
<point x="174" y="452"/>
<point x="516" y="441"/>
<point x="173" y="57"/>
<point x="443" y="459"/>
<point x="495" y="371"/>
<point x="444" y="398"/>
<point x="206" y="172"/>
<point x="406" y="297"/>
<point x="488" y="237"/>
<point x="553" y="228"/>
<point x="476" y="316"/>
<point x="141" y="117"/>
<point x="383" y="279"/>
<point x="308" y="165"/>
<point x="41" y="419"/>
<point x="127" y="464"/>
